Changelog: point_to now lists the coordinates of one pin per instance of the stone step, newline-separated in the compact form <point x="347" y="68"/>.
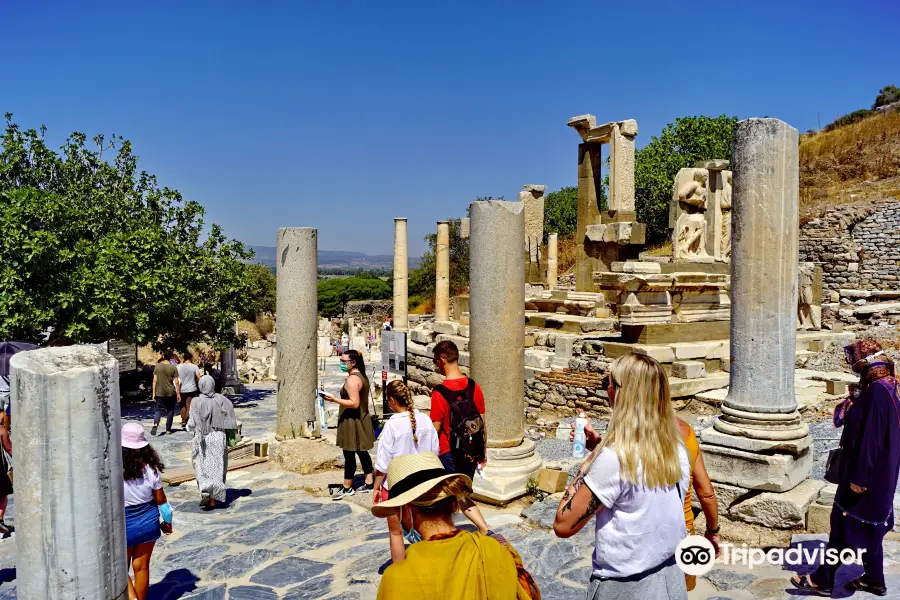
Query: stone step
<point x="568" y="323"/>
<point x="682" y="388"/>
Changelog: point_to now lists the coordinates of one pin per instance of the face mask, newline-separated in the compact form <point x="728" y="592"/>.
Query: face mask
<point x="411" y="535"/>
<point x="345" y="368"/>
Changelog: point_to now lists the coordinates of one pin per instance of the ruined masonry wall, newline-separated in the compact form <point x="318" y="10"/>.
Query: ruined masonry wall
<point x="857" y="245"/>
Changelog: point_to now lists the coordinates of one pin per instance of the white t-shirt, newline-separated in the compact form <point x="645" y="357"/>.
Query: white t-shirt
<point x="639" y="527"/>
<point x="140" y="491"/>
<point x="187" y="374"/>
<point x="396" y="439"/>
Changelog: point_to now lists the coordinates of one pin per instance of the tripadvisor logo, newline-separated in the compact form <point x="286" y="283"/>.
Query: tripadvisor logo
<point x="695" y="555"/>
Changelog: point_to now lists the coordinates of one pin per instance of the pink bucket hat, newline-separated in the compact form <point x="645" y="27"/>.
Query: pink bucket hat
<point x="133" y="436"/>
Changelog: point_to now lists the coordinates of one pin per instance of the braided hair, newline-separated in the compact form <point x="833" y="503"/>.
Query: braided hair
<point x="402" y="396"/>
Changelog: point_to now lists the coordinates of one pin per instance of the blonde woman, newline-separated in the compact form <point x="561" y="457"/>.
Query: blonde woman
<point x="634" y="481"/>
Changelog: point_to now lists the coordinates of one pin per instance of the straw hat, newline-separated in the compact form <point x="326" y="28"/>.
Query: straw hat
<point x="412" y="475"/>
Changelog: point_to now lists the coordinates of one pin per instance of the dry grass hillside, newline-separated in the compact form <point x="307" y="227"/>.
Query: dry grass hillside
<point x="855" y="162"/>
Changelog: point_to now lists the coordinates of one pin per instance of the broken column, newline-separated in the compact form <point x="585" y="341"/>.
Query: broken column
<point x="401" y="276"/>
<point x="718" y="225"/>
<point x="760" y="441"/>
<point x="532" y="197"/>
<point x="442" y="273"/>
<point x="552" y="252"/>
<point x="231" y="378"/>
<point x="296" y="306"/>
<point x="496" y="345"/>
<point x="70" y="514"/>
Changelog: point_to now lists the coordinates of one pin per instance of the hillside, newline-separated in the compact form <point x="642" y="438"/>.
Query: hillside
<point x="857" y="161"/>
<point x="336" y="259"/>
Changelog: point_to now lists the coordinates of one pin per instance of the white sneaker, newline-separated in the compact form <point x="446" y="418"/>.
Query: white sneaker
<point x="341" y="493"/>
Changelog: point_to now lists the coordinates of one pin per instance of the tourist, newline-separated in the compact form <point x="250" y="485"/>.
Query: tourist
<point x="445" y="563"/>
<point x="355" y="432"/>
<point x="6" y="471"/>
<point x="212" y="416"/>
<point x="459" y="454"/>
<point x="188" y="375"/>
<point x="166" y="392"/>
<point x="865" y="470"/>
<point x="408" y="431"/>
<point x="702" y="486"/>
<point x="637" y="474"/>
<point x="145" y="503"/>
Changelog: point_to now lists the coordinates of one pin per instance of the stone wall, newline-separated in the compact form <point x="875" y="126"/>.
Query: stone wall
<point x="565" y="392"/>
<point x="369" y="313"/>
<point x="857" y="245"/>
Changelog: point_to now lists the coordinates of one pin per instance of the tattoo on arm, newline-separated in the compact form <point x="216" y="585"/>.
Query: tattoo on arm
<point x="569" y="496"/>
<point x="593" y="506"/>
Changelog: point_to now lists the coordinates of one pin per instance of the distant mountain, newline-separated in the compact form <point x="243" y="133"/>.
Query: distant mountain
<point x="336" y="259"/>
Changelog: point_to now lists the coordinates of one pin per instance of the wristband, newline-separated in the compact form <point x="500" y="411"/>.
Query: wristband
<point x="713" y="531"/>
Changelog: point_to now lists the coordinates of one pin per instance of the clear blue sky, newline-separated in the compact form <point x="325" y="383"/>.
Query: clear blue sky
<point x="343" y="115"/>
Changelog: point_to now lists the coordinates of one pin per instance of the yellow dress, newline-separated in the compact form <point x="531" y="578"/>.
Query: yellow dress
<point x="693" y="450"/>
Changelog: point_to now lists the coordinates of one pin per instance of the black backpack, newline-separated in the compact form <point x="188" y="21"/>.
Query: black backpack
<point x="466" y="423"/>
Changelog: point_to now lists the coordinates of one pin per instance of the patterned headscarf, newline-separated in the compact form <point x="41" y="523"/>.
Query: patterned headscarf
<point x="867" y="358"/>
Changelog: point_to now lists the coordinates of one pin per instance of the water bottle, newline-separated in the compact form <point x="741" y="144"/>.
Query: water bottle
<point x="578" y="447"/>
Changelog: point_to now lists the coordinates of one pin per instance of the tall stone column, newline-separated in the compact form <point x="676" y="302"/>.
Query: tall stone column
<point x="760" y="412"/>
<point x="296" y="305"/>
<point x="70" y="514"/>
<point x="621" y="166"/>
<point x="442" y="273"/>
<point x="497" y="344"/>
<point x="552" y="261"/>
<point x="401" y="276"/>
<point x="587" y="258"/>
<point x="231" y="378"/>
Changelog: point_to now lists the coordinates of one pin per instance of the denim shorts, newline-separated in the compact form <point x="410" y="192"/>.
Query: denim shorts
<point x="142" y="524"/>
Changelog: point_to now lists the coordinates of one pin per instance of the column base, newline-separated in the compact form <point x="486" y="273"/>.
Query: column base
<point x="777" y="472"/>
<point x="507" y="473"/>
<point x="234" y="390"/>
<point x="781" y="427"/>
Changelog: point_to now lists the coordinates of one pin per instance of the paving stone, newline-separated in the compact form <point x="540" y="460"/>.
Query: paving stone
<point x="729" y="580"/>
<point x="233" y="567"/>
<point x="314" y="588"/>
<point x="289" y="571"/>
<point x="542" y="513"/>
<point x="216" y="593"/>
<point x="197" y="559"/>
<point x="252" y="592"/>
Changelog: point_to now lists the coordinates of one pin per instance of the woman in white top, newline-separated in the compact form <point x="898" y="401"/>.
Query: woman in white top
<point x="408" y="431"/>
<point x="634" y="481"/>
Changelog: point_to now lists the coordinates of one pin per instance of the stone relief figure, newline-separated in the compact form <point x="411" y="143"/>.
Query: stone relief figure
<point x="690" y="237"/>
<point x="808" y="316"/>
<point x="726" y="215"/>
<point x="688" y="215"/>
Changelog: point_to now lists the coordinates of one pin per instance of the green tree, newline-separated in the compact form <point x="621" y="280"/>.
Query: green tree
<point x="887" y="95"/>
<point x="681" y="144"/>
<point x="92" y="249"/>
<point x="261" y="293"/>
<point x="333" y="294"/>
<point x="422" y="279"/>
<point x="561" y="210"/>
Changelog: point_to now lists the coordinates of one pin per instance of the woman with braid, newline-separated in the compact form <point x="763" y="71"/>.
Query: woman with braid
<point x="408" y="431"/>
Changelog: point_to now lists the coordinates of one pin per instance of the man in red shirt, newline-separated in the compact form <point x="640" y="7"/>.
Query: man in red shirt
<point x="446" y="361"/>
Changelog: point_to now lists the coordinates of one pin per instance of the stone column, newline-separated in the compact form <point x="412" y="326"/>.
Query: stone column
<point x="716" y="211"/>
<point x="552" y="253"/>
<point x="231" y="378"/>
<point x="621" y="165"/>
<point x="401" y="276"/>
<point x="589" y="181"/>
<point x="464" y="228"/>
<point x="442" y="273"/>
<point x="296" y="306"/>
<point x="533" y="198"/>
<point x="70" y="517"/>
<point x="760" y="412"/>
<point x="497" y="344"/>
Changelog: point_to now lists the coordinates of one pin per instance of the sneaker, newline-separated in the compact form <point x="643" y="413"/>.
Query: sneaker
<point x="153" y="430"/>
<point x="4" y="528"/>
<point x="342" y="493"/>
<point x="366" y="488"/>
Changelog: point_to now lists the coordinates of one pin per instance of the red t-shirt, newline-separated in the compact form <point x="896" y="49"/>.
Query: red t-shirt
<point x="440" y="410"/>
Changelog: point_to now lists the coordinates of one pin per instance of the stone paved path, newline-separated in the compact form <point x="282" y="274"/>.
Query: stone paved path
<point x="279" y="538"/>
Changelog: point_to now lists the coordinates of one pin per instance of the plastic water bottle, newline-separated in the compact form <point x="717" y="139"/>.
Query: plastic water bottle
<point x="578" y="447"/>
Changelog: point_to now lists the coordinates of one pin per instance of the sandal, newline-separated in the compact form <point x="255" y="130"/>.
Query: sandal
<point x="805" y="583"/>
<point x="859" y="585"/>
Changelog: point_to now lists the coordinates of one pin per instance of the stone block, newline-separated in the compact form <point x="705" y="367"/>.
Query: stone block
<point x="818" y="518"/>
<point x="464" y="331"/>
<point x="682" y="388"/>
<point x="768" y="472"/>
<point x="689" y="369"/>
<point x="636" y="267"/>
<point x="781" y="510"/>
<point x="718" y="350"/>
<point x="713" y="436"/>
<point x="663" y="354"/>
<point x="552" y="480"/>
<point x="462" y="344"/>
<point x="817" y="345"/>
<point x="538" y="359"/>
<point x="835" y="387"/>
<point x="669" y="333"/>
<point x="563" y="432"/>
<point x="421" y="336"/>
<point x="826" y="494"/>
<point x="737" y="533"/>
<point x="446" y="327"/>
<point x="687" y="351"/>
<point x="726" y="495"/>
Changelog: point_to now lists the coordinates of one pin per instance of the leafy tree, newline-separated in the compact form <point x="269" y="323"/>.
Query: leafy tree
<point x="422" y="279"/>
<point x="261" y="294"/>
<point x="887" y="95"/>
<point x="333" y="294"/>
<point x="561" y="210"/>
<point x="94" y="249"/>
<point x="681" y="144"/>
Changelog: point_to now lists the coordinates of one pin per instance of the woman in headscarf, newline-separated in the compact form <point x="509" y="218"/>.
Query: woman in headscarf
<point x="867" y="470"/>
<point x="212" y="415"/>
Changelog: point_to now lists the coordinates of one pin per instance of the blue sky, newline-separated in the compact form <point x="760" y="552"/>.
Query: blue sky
<point x="343" y="115"/>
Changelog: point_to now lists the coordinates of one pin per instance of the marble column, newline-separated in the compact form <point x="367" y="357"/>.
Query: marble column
<point x="760" y="412"/>
<point x="296" y="305"/>
<point x="70" y="515"/>
<point x="552" y="261"/>
<point x="401" y="276"/>
<point x="231" y="378"/>
<point x="442" y="273"/>
<point x="621" y="165"/>
<point x="496" y="344"/>
<point x="587" y="257"/>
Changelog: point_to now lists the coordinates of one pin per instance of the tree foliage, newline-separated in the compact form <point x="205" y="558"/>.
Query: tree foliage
<point x="261" y="292"/>
<point x="681" y="144"/>
<point x="422" y="279"/>
<point x="561" y="210"/>
<point x="95" y="249"/>
<point x="887" y="95"/>
<point x="333" y="294"/>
